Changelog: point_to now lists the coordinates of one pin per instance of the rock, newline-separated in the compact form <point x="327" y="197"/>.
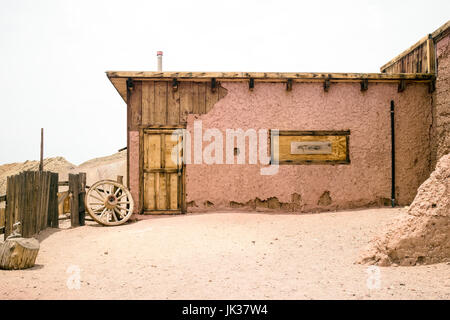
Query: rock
<point x="423" y="236"/>
<point x="18" y="253"/>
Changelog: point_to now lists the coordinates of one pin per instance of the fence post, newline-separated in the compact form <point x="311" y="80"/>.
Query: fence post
<point x="74" y="188"/>
<point x="82" y="190"/>
<point x="28" y="216"/>
<point x="20" y="201"/>
<point x="53" y="214"/>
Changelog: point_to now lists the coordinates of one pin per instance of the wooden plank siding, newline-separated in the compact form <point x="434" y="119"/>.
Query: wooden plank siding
<point x="420" y="57"/>
<point x="419" y="60"/>
<point x="158" y="103"/>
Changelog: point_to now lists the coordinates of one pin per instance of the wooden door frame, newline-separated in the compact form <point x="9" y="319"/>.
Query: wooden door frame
<point x="142" y="130"/>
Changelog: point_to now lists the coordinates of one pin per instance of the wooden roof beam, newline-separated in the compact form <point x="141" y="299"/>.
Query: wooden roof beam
<point x="265" y="75"/>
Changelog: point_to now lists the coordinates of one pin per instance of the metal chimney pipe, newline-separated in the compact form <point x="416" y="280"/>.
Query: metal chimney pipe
<point x="159" y="55"/>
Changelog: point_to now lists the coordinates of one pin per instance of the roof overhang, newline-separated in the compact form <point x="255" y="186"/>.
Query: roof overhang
<point x="119" y="78"/>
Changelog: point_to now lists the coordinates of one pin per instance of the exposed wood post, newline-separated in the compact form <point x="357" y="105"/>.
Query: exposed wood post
<point x="364" y="85"/>
<point x="213" y="84"/>
<point x="401" y="86"/>
<point x="432" y="86"/>
<point x="41" y="163"/>
<point x="174" y="84"/>
<point x="326" y="85"/>
<point x="82" y="190"/>
<point x="251" y="84"/>
<point x="289" y="85"/>
<point x="74" y="182"/>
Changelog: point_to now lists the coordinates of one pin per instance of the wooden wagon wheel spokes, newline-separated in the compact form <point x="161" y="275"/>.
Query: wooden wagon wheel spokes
<point x="109" y="202"/>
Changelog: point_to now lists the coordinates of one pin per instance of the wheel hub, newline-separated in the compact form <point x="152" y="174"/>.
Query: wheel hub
<point x="111" y="202"/>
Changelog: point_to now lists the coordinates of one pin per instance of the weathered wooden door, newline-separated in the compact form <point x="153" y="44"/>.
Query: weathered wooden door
<point x="162" y="172"/>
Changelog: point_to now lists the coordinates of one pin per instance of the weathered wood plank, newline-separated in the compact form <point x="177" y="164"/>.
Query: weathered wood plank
<point x="173" y="106"/>
<point x="212" y="96"/>
<point x="259" y="75"/>
<point x="28" y="205"/>
<point x="81" y="195"/>
<point x="21" y="200"/>
<point x="135" y="106"/>
<point x="74" y="181"/>
<point x="47" y="179"/>
<point x="9" y="207"/>
<point x="186" y="104"/>
<point x="2" y="220"/>
<point x="431" y="65"/>
<point x="333" y="149"/>
<point x="160" y="103"/>
<point x="148" y="103"/>
<point x="201" y="97"/>
<point x="195" y="95"/>
<point x="52" y="215"/>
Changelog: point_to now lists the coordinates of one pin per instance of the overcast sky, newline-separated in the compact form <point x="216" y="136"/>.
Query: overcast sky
<point x="54" y="54"/>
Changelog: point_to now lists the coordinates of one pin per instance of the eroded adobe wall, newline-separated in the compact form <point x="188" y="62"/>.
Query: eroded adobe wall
<point x="366" y="181"/>
<point x="441" y="99"/>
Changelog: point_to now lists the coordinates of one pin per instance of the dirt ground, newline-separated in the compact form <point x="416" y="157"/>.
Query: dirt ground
<point x="222" y="256"/>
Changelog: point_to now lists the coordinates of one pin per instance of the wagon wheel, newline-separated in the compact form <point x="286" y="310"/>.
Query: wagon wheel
<point x="109" y="202"/>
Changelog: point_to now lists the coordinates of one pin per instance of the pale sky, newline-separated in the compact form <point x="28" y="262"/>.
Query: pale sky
<point x="54" y="54"/>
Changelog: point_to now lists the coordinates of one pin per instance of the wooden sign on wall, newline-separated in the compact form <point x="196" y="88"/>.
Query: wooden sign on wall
<point x="310" y="147"/>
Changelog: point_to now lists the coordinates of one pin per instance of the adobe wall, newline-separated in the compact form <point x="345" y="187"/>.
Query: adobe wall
<point x="364" y="182"/>
<point x="441" y="100"/>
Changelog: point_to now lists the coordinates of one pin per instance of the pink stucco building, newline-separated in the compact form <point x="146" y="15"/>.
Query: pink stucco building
<point x="330" y="133"/>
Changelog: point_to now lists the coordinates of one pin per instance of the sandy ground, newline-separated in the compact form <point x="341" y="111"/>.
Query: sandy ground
<point x="222" y="256"/>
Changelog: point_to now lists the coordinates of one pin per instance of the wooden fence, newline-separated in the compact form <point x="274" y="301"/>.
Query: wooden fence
<point x="31" y="198"/>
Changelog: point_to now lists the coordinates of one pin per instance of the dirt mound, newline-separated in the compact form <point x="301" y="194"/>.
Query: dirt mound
<point x="57" y="164"/>
<point x="119" y="156"/>
<point x="423" y="236"/>
<point x="108" y="167"/>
